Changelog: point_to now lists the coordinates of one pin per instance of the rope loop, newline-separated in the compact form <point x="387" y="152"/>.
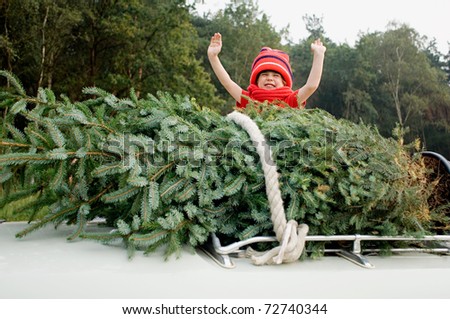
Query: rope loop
<point x="291" y="235"/>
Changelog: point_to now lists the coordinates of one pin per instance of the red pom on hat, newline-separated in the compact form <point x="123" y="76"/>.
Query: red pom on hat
<point x="272" y="60"/>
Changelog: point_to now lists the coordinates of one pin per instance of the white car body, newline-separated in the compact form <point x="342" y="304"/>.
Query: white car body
<point x="45" y="265"/>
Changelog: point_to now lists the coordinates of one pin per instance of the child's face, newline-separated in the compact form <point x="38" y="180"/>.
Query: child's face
<point x="270" y="80"/>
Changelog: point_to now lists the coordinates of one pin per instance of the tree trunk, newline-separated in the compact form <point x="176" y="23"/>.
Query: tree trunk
<point x="43" y="48"/>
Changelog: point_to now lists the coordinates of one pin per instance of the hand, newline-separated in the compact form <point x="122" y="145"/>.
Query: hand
<point x="318" y="47"/>
<point x="215" y="46"/>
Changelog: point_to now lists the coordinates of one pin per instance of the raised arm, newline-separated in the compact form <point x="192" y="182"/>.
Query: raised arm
<point x="213" y="55"/>
<point x="315" y="74"/>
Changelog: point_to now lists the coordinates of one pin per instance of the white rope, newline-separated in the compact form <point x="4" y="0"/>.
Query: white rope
<point x="291" y="235"/>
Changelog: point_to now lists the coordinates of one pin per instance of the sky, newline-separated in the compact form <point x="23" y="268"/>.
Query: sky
<point x="344" y="20"/>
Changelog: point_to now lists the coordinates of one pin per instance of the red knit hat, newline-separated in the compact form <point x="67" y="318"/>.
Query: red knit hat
<point x="272" y="60"/>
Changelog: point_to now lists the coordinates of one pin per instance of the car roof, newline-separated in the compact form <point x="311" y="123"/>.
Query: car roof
<point x="45" y="265"/>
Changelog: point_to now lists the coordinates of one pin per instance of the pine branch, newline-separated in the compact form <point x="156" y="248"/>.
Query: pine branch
<point x="14" y="81"/>
<point x="83" y="211"/>
<point x="54" y="217"/>
<point x="21" y="145"/>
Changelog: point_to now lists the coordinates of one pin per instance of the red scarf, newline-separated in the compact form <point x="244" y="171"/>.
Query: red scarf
<point x="261" y="95"/>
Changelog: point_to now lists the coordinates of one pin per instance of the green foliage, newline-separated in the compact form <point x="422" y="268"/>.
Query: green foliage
<point x="148" y="45"/>
<point x="395" y="82"/>
<point x="345" y="177"/>
<point x="396" y="76"/>
<point x="166" y="171"/>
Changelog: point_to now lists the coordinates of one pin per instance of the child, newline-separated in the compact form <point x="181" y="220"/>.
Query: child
<point x="271" y="76"/>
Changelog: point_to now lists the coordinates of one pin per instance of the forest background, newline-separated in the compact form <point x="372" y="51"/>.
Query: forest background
<point x="395" y="77"/>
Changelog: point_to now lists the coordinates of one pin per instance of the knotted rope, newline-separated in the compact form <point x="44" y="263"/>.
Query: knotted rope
<point x="291" y="235"/>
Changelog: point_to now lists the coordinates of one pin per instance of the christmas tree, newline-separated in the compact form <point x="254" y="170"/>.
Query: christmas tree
<point x="165" y="171"/>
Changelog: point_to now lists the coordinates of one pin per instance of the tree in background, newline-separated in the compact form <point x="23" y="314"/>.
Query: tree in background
<point x="34" y="36"/>
<point x="437" y="118"/>
<point x="390" y="77"/>
<point x="335" y="73"/>
<point x="399" y="83"/>
<point x="149" y="45"/>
